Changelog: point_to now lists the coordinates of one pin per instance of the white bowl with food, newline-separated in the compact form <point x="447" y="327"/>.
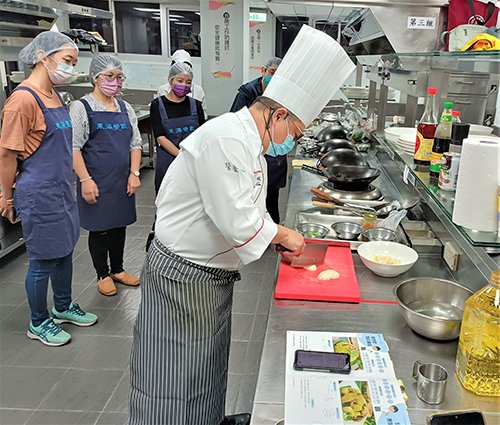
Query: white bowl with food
<point x="387" y="259"/>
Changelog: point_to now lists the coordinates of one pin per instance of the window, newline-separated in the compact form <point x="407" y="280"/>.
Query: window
<point x="185" y="31"/>
<point x="287" y="29"/>
<point x="138" y="28"/>
<point x="102" y="26"/>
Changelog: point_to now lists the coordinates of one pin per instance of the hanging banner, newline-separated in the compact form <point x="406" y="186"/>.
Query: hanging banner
<point x="222" y="22"/>
<point x="257" y="60"/>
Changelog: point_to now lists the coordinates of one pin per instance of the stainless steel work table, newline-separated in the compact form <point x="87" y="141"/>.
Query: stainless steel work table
<point x="370" y="316"/>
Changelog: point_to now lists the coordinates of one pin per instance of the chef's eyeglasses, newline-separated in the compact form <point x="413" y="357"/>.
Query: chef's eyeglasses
<point x="301" y="132"/>
<point x="112" y="77"/>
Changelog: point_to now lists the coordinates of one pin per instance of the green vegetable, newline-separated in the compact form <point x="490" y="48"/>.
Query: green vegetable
<point x="313" y="233"/>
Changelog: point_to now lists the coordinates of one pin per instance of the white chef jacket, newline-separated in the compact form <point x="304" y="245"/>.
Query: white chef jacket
<point x="212" y="201"/>
<point x="196" y="93"/>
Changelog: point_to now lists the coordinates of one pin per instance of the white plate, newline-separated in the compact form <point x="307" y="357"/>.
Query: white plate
<point x="405" y="143"/>
<point x="409" y="138"/>
<point x="392" y="134"/>
<point x="481" y="130"/>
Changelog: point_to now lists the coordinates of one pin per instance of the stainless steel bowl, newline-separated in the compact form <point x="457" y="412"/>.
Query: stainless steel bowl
<point x="432" y="307"/>
<point x="305" y="228"/>
<point x="345" y="230"/>
<point x="380" y="234"/>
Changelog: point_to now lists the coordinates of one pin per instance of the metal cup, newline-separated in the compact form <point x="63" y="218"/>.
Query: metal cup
<point x="431" y="381"/>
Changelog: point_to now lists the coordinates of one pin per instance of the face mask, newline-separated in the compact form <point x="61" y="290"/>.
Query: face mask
<point x="275" y="149"/>
<point x="63" y="74"/>
<point x="111" y="87"/>
<point x="181" y="90"/>
<point x="267" y="79"/>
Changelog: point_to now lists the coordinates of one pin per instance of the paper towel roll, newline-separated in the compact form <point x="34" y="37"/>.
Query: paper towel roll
<point x="477" y="186"/>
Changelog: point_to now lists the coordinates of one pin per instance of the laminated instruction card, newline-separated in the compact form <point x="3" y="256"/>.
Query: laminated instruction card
<point x="369" y="395"/>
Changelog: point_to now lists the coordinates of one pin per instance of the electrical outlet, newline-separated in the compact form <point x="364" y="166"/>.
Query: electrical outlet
<point x="451" y="255"/>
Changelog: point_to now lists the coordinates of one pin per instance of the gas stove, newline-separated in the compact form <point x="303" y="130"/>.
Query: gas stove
<point x="372" y="193"/>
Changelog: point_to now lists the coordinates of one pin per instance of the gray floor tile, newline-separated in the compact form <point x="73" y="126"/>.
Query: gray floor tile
<point x="47" y="417"/>
<point x="259" y="327"/>
<point x="92" y="298"/>
<point x="245" y="301"/>
<point x="246" y="395"/>
<point x="241" y="327"/>
<point x="237" y="355"/>
<point x="252" y="360"/>
<point x="264" y="303"/>
<point x="18" y="320"/>
<point x="104" y="352"/>
<point x="250" y="281"/>
<point x="119" y="322"/>
<point x="12" y="293"/>
<point x="14" y="417"/>
<point x="87" y="390"/>
<point x="27" y="387"/>
<point x="131" y="299"/>
<point x="119" y="399"/>
<point x="6" y="310"/>
<point x="113" y="419"/>
<point x="233" y="389"/>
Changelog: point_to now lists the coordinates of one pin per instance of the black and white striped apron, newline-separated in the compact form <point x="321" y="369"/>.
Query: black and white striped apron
<point x="182" y="334"/>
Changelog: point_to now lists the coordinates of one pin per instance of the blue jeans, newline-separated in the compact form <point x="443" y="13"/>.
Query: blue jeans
<point x="60" y="271"/>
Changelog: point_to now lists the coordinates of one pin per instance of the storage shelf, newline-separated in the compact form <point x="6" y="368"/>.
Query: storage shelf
<point x="489" y="56"/>
<point x="445" y="199"/>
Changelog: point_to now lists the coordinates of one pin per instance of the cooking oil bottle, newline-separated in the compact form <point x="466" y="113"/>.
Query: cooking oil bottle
<point x="478" y="357"/>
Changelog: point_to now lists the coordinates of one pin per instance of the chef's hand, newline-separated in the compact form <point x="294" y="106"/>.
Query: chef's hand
<point x="90" y="192"/>
<point x="133" y="184"/>
<point x="7" y="209"/>
<point x="295" y="241"/>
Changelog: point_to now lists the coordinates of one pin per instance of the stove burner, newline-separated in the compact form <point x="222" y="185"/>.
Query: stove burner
<point x="372" y="193"/>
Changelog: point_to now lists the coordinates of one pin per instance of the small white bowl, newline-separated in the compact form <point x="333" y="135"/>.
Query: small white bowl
<point x="480" y="130"/>
<point x="407" y="255"/>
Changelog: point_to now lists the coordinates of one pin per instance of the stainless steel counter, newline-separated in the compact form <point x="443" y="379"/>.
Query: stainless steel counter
<point x="369" y="316"/>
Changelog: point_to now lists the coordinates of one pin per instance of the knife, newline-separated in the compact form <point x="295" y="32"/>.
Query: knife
<point x="314" y="254"/>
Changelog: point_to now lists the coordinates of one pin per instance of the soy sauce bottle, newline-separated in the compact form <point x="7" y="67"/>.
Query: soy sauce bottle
<point x="425" y="133"/>
<point x="442" y="140"/>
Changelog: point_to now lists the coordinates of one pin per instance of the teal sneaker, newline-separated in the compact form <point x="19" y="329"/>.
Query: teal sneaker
<point x="74" y="314"/>
<point x="49" y="333"/>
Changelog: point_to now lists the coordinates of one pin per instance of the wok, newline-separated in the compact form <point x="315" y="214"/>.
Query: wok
<point x="332" y="132"/>
<point x="342" y="156"/>
<point x="332" y="144"/>
<point x="351" y="176"/>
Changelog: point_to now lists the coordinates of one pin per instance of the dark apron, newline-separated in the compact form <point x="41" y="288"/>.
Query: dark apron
<point x="176" y="130"/>
<point x="107" y="157"/>
<point x="276" y="171"/>
<point x="45" y="200"/>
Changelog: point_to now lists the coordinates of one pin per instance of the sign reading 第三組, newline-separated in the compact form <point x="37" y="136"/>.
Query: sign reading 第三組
<point x="222" y="21"/>
<point x="257" y="61"/>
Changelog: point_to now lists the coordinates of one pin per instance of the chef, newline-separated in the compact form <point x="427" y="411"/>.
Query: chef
<point x="276" y="156"/>
<point x="106" y="157"/>
<point x="211" y="221"/>
<point x="181" y="56"/>
<point x="36" y="143"/>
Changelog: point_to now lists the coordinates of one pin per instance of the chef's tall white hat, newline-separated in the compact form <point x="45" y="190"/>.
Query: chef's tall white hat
<point x="311" y="72"/>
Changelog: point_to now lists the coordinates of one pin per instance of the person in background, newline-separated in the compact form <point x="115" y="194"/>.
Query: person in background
<point x="181" y="56"/>
<point x="174" y="116"/>
<point x="36" y="144"/>
<point x="276" y="156"/>
<point x="107" y="158"/>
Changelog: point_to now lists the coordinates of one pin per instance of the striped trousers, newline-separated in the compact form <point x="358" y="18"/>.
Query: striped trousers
<point x="182" y="334"/>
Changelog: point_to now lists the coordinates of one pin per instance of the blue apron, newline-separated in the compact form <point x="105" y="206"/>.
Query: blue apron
<point x="276" y="171"/>
<point x="107" y="157"/>
<point x="176" y="130"/>
<point x="45" y="199"/>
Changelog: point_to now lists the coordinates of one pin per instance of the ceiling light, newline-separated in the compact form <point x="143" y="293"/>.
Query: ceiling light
<point x="143" y="9"/>
<point x="176" y="16"/>
<point x="183" y="23"/>
<point x="198" y="13"/>
<point x="172" y="19"/>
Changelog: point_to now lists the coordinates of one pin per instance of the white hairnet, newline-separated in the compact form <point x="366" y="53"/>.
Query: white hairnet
<point x="104" y="63"/>
<point x="181" y="56"/>
<point x="273" y="63"/>
<point x="47" y="42"/>
<point x="180" y="69"/>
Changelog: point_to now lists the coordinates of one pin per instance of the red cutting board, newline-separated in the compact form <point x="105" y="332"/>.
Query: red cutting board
<point x="299" y="284"/>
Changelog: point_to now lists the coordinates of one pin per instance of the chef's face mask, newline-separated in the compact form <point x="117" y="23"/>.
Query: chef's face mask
<point x="181" y="90"/>
<point x="277" y="149"/>
<point x="267" y="79"/>
<point x="110" y="87"/>
<point x="63" y="74"/>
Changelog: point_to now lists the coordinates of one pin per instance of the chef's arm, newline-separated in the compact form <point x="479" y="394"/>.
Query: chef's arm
<point x="290" y="239"/>
<point x="135" y="163"/>
<point x="90" y="191"/>
<point x="168" y="145"/>
<point x="8" y="168"/>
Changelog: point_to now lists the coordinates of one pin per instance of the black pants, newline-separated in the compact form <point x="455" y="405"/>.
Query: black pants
<point x="272" y="204"/>
<point x="101" y="244"/>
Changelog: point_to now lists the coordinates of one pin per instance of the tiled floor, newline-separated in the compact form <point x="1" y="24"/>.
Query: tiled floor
<point x="87" y="381"/>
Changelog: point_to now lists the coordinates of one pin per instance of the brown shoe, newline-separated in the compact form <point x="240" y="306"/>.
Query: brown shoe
<point x="107" y="286"/>
<point x="127" y="279"/>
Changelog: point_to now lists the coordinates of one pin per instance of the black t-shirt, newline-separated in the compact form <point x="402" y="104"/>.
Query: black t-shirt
<point x="174" y="110"/>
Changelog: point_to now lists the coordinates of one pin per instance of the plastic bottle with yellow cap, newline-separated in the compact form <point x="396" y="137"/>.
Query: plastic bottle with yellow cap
<point x="478" y="357"/>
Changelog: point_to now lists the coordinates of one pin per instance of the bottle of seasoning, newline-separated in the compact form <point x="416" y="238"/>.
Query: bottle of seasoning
<point x="456" y="117"/>
<point x="459" y="132"/>
<point x="425" y="132"/>
<point x="442" y="140"/>
<point x="369" y="220"/>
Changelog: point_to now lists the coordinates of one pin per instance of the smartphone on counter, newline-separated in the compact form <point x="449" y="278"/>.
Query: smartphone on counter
<point x="322" y="361"/>
<point x="471" y="417"/>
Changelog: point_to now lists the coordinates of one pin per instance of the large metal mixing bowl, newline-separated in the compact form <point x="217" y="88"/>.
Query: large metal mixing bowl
<point x="432" y="307"/>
